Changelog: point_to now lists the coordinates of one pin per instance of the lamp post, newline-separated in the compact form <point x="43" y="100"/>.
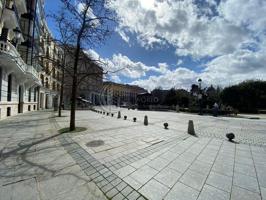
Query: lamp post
<point x="200" y="97"/>
<point x="17" y="33"/>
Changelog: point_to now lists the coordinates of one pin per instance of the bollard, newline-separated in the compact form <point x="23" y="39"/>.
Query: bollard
<point x="104" y="113"/>
<point x="165" y="125"/>
<point x="134" y="119"/>
<point x="230" y="136"/>
<point x="119" y="115"/>
<point x="125" y="117"/>
<point x="107" y="114"/>
<point x="190" y="129"/>
<point x="146" y="120"/>
<point x="112" y="114"/>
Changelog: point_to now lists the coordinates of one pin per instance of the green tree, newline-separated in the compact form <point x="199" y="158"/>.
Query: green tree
<point x="248" y="96"/>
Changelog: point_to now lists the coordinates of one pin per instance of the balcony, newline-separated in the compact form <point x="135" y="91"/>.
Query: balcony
<point x="11" y="58"/>
<point x="33" y="74"/>
<point x="12" y="61"/>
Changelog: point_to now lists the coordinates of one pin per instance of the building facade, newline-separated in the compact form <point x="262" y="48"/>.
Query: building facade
<point x="21" y="30"/>
<point x="51" y="74"/>
<point x="121" y="94"/>
<point x="90" y="82"/>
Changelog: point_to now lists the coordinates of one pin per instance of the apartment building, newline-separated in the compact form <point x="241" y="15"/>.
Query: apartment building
<point x="50" y="76"/>
<point x="19" y="79"/>
<point x="25" y="84"/>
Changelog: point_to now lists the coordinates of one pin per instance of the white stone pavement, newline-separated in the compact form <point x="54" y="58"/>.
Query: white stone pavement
<point x="151" y="162"/>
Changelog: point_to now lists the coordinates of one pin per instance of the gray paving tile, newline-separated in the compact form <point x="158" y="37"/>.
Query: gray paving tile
<point x="121" y="186"/>
<point x="179" y="165"/>
<point x="200" y="167"/>
<point x="127" y="190"/>
<point x="107" y="187"/>
<point x="248" y="170"/>
<point x="211" y="193"/>
<point x="223" y="168"/>
<point x="220" y="181"/>
<point x="168" y="177"/>
<point x="193" y="179"/>
<point x="158" y="163"/>
<point x="244" y="160"/>
<point x="133" y="195"/>
<point x="263" y="193"/>
<point x="118" y="196"/>
<point x="154" y="190"/>
<point x="116" y="181"/>
<point x="132" y="182"/>
<point x="123" y="172"/>
<point x="143" y="174"/>
<point x="247" y="182"/>
<point x="182" y="192"/>
<point x="242" y="194"/>
<point x="111" y="193"/>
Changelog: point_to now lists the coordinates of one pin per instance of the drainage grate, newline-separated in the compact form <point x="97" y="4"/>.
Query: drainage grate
<point x="95" y="143"/>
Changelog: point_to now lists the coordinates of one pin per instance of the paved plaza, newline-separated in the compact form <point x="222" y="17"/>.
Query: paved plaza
<point x="121" y="159"/>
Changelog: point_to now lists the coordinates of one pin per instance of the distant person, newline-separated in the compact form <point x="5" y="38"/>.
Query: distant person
<point x="215" y="109"/>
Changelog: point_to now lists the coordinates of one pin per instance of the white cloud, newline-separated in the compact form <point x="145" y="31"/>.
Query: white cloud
<point x="130" y="69"/>
<point x="232" y="32"/>
<point x="179" y="78"/>
<point x="121" y="65"/>
<point x="93" y="54"/>
<point x="180" y="23"/>
<point x="249" y="13"/>
<point x="123" y="35"/>
<point x="223" y="71"/>
<point x="179" y="62"/>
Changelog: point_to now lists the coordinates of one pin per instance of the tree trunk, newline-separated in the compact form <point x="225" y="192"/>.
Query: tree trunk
<point x="61" y="93"/>
<point x="74" y="89"/>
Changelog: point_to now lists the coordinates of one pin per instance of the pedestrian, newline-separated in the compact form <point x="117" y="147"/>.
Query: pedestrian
<point x="215" y="109"/>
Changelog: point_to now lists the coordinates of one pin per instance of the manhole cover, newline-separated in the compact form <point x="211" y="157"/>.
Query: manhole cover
<point x="95" y="143"/>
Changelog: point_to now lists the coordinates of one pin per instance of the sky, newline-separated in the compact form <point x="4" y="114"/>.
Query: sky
<point x="173" y="43"/>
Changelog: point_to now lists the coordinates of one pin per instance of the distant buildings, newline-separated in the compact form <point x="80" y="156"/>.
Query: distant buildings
<point x="121" y="94"/>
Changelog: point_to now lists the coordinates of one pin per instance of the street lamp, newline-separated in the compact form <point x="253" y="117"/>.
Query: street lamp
<point x="17" y="33"/>
<point x="200" y="97"/>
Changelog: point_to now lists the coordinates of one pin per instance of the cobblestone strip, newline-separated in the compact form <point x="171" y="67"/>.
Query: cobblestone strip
<point x="142" y="153"/>
<point x="109" y="183"/>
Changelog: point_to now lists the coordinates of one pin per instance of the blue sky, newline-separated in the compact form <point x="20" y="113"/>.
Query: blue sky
<point x="163" y="43"/>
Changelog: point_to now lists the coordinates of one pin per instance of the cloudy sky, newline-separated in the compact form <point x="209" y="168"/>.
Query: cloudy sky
<point x="172" y="43"/>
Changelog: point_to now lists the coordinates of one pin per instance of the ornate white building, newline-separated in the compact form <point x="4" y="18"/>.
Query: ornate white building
<point x="24" y="83"/>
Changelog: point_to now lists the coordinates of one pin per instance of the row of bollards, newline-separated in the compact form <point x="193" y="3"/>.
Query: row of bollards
<point x="190" y="130"/>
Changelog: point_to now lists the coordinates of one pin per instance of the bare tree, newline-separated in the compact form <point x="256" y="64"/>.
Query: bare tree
<point x="86" y="23"/>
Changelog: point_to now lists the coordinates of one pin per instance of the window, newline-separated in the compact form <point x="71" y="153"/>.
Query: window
<point x="29" y="100"/>
<point x="9" y="87"/>
<point x="35" y="95"/>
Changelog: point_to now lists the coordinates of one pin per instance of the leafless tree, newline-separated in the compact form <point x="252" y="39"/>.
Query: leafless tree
<point x="86" y="24"/>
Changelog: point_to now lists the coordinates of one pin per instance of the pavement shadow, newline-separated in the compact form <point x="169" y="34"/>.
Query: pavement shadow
<point x="27" y="162"/>
<point x="23" y="145"/>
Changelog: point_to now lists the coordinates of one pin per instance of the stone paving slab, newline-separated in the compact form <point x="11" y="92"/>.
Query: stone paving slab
<point x="135" y="162"/>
